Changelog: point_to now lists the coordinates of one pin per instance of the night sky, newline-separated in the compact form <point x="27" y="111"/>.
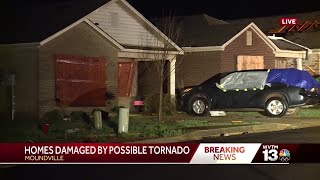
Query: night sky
<point x="224" y="9"/>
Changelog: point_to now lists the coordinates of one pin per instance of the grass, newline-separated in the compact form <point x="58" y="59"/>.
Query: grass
<point x="140" y="127"/>
<point x="17" y="130"/>
<point x="313" y="112"/>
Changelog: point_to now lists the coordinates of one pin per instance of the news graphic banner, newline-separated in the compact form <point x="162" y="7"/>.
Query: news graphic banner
<point x="173" y="153"/>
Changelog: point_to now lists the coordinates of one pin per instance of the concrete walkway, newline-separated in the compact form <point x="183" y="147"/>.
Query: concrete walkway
<point x="268" y="125"/>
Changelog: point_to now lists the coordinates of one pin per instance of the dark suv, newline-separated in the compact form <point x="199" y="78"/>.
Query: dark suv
<point x="273" y="91"/>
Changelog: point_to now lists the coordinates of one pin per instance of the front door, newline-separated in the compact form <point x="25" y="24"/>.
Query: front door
<point x="126" y="72"/>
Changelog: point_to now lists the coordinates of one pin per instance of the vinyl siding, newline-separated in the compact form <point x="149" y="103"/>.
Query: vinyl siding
<point x="131" y="30"/>
<point x="81" y="40"/>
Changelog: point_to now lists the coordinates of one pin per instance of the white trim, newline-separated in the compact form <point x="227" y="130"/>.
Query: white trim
<point x="21" y="44"/>
<point x="172" y="75"/>
<point x="104" y="34"/>
<point x="290" y="54"/>
<point x="70" y="26"/>
<point x="146" y="56"/>
<point x="151" y="25"/>
<point x="203" y="49"/>
<point x="288" y="41"/>
<point x="258" y="31"/>
<point x="152" y="51"/>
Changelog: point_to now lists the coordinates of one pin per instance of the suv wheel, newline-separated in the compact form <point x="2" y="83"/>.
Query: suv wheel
<point x="276" y="107"/>
<point x="199" y="106"/>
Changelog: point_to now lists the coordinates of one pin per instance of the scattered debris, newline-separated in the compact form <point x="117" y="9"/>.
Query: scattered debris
<point x="218" y="113"/>
<point x="236" y="121"/>
<point x="66" y="119"/>
<point x="225" y="134"/>
<point x="70" y="131"/>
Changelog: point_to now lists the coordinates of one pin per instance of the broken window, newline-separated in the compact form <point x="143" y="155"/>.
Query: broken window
<point x="244" y="80"/>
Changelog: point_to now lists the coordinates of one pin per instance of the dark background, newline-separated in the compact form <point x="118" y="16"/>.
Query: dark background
<point x="224" y="9"/>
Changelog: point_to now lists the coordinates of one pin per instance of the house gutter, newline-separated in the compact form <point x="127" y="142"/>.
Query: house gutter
<point x="203" y="49"/>
<point x="21" y="45"/>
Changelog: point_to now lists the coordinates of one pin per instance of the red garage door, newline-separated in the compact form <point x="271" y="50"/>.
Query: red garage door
<point x="126" y="72"/>
<point x="80" y="81"/>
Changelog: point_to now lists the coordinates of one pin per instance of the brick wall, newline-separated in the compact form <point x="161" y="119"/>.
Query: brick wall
<point x="22" y="61"/>
<point x="314" y="62"/>
<point x="81" y="40"/>
<point x="197" y="67"/>
<point x="283" y="62"/>
<point x="239" y="47"/>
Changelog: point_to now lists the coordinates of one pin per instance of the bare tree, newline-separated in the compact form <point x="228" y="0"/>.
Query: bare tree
<point x="165" y="53"/>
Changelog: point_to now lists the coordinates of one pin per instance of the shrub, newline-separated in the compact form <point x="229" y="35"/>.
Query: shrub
<point x="80" y="116"/>
<point x="52" y="116"/>
<point x="169" y="104"/>
<point x="151" y="104"/>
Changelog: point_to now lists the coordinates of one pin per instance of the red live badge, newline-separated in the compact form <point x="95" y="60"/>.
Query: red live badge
<point x="288" y="21"/>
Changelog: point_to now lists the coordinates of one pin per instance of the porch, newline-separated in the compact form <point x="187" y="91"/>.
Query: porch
<point x="138" y="75"/>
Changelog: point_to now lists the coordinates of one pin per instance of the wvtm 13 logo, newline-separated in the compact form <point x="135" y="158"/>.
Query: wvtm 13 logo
<point x="271" y="153"/>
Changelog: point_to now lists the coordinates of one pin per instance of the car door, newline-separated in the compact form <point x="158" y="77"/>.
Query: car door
<point x="222" y="99"/>
<point x="252" y="83"/>
<point x="226" y="91"/>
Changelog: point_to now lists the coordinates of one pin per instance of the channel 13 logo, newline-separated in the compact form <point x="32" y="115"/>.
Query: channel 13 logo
<point x="272" y="154"/>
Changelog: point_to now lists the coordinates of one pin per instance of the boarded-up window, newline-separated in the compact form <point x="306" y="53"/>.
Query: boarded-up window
<point x="126" y="72"/>
<point x="249" y="38"/>
<point x="250" y="62"/>
<point x="80" y="81"/>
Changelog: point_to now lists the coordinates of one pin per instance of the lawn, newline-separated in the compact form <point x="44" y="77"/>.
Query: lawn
<point x="313" y="112"/>
<point x="140" y="127"/>
<point x="77" y="129"/>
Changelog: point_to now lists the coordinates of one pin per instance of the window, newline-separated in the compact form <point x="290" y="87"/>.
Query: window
<point x="249" y="38"/>
<point x="243" y="80"/>
<point x="80" y="81"/>
<point x="114" y="19"/>
<point x="250" y="62"/>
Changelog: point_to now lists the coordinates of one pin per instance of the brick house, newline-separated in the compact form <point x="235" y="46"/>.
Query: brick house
<point x="78" y="55"/>
<point x="213" y="46"/>
<point x="306" y="33"/>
